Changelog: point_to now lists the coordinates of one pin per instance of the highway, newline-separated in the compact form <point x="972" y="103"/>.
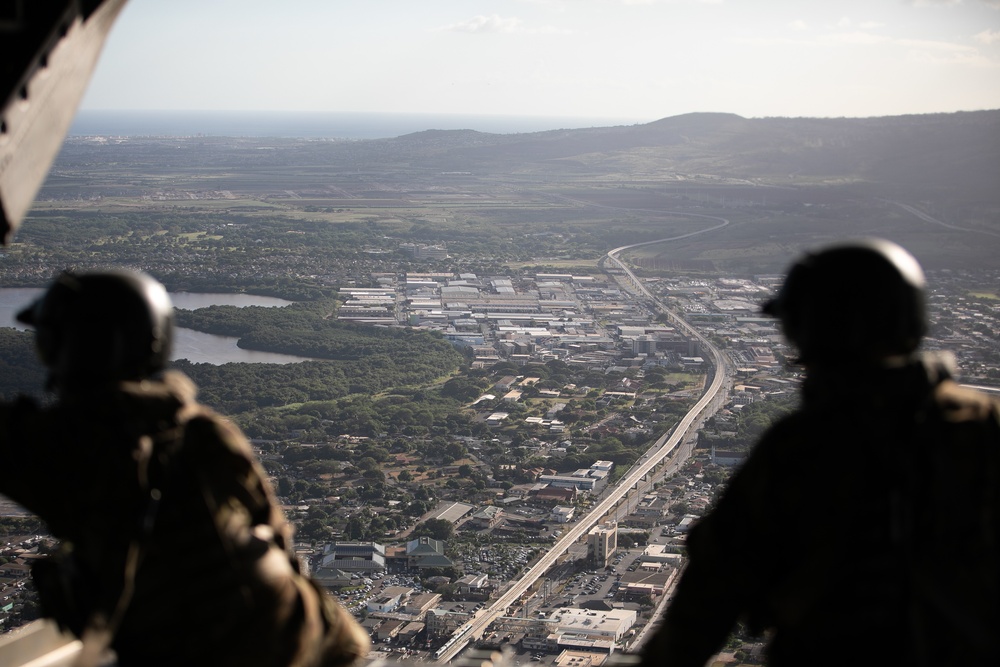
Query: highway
<point x="658" y="452"/>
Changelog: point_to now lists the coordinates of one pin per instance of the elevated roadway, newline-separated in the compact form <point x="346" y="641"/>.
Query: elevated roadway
<point x="664" y="447"/>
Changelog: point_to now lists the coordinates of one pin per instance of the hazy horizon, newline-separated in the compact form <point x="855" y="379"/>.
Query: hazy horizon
<point x="311" y="124"/>
<point x="324" y="124"/>
<point x="587" y="59"/>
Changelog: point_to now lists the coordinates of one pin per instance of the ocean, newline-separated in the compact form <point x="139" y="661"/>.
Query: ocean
<point x="312" y="125"/>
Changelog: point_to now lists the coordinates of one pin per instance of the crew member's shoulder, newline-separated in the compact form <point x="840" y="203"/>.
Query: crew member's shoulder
<point x="175" y="396"/>
<point x="960" y="403"/>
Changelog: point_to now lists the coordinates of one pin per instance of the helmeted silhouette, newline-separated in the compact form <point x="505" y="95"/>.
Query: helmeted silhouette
<point x="864" y="528"/>
<point x="174" y="548"/>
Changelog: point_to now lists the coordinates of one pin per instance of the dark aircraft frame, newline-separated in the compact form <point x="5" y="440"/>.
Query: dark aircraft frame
<point x="48" y="51"/>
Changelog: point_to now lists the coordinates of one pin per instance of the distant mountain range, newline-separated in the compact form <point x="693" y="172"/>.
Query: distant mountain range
<point x="931" y="182"/>
<point x="955" y="155"/>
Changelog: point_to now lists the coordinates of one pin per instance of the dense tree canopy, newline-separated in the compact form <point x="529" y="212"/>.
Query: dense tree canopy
<point x="438" y="529"/>
<point x="349" y="359"/>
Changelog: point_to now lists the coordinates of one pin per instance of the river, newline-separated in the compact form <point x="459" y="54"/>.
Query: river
<point x="194" y="346"/>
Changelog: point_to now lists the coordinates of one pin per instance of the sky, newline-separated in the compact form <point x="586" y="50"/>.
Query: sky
<point x="632" y="60"/>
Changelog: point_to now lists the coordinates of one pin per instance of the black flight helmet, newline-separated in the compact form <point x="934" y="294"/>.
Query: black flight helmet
<point x="99" y="326"/>
<point x="859" y="302"/>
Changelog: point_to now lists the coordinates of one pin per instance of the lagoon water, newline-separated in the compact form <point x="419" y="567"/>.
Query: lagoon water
<point x="192" y="345"/>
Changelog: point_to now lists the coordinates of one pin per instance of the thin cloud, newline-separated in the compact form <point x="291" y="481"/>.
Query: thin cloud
<point x="963" y="58"/>
<point x="946" y="53"/>
<point x="856" y="37"/>
<point x="923" y="51"/>
<point x="987" y="36"/>
<point x="935" y="45"/>
<point x="672" y="2"/>
<point x="798" y="25"/>
<point x="993" y="4"/>
<point x="484" y="24"/>
<point x="555" y="4"/>
<point x="498" y="24"/>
